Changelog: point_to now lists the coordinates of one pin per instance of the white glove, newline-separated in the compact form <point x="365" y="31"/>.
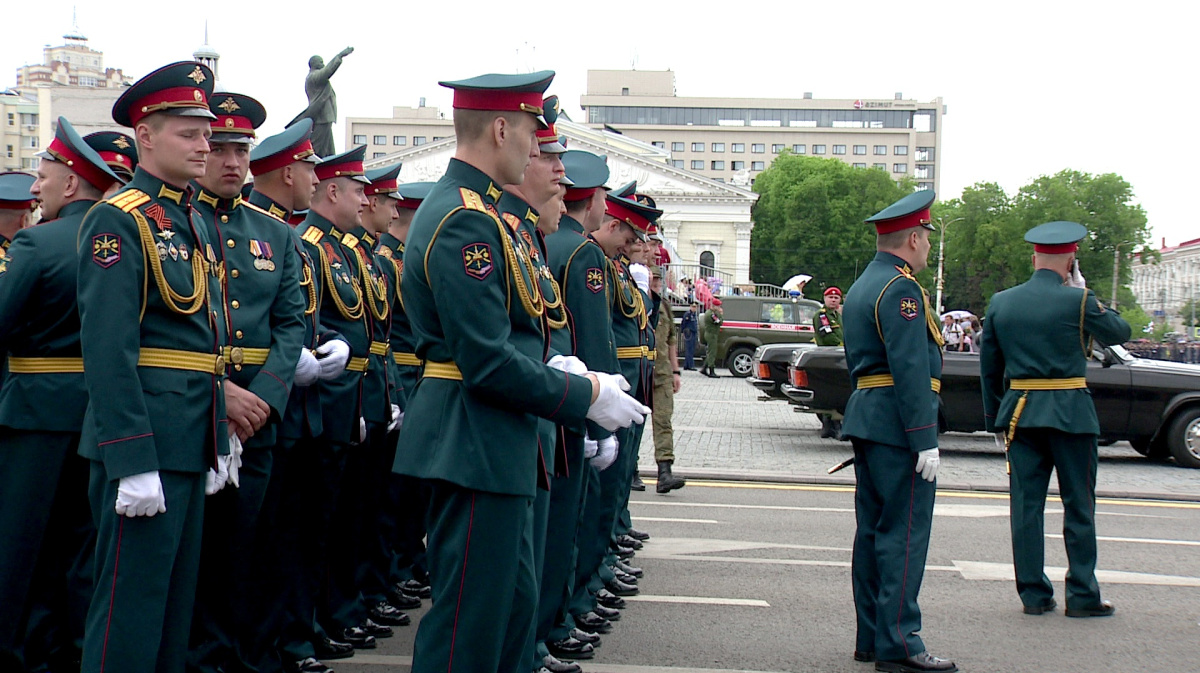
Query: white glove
<point x="1001" y="439"/>
<point x="333" y="356"/>
<point x="215" y="480"/>
<point x="606" y="453"/>
<point x="141" y="495"/>
<point x="307" y="368"/>
<point x="568" y="363"/>
<point x="589" y="448"/>
<point x="397" y="418"/>
<point x="613" y="408"/>
<point x="1076" y="279"/>
<point x="362" y="429"/>
<point x="927" y="464"/>
<point x="234" y="460"/>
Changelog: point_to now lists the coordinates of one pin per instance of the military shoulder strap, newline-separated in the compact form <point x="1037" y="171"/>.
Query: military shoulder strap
<point x="257" y="209"/>
<point x="128" y="199"/>
<point x="312" y="235"/>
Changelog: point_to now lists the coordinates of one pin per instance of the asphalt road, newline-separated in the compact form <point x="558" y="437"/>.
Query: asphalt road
<point x="755" y="577"/>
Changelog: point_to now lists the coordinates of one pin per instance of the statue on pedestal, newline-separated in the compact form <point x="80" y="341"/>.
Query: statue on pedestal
<point x="322" y="101"/>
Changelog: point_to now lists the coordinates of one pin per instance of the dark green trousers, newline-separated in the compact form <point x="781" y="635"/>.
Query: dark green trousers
<point x="563" y="524"/>
<point x="589" y="552"/>
<point x="893" y="508"/>
<point x="48" y="537"/>
<point x="482" y="577"/>
<point x="1033" y="454"/>
<point x="624" y="520"/>
<point x="146" y="569"/>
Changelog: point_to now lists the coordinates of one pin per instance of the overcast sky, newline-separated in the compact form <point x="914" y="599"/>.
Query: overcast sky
<point x="1031" y="87"/>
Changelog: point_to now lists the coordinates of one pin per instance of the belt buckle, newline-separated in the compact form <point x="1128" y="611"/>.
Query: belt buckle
<point x="236" y="355"/>
<point x="220" y="366"/>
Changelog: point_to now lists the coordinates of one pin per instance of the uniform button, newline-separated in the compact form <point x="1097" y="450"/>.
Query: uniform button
<point x="239" y="334"/>
<point x="225" y="218"/>
<point x="237" y="367"/>
<point x="229" y="243"/>
<point x="234" y="273"/>
<point x="235" y="303"/>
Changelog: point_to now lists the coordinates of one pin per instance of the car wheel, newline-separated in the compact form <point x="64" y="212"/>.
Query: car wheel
<point x="740" y="361"/>
<point x="1184" y="438"/>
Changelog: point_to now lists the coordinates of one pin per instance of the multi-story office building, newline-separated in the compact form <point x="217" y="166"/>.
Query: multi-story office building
<point x="20" y="138"/>
<point x="407" y="127"/>
<point x="734" y="139"/>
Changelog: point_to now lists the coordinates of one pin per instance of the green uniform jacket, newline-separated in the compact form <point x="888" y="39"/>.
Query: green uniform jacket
<point x="141" y="419"/>
<point x="827" y="326"/>
<point x="887" y="328"/>
<point x="463" y="298"/>
<point x="584" y="273"/>
<point x="390" y="257"/>
<point x="710" y="325"/>
<point x="377" y="290"/>
<point x="630" y="322"/>
<point x="264" y="302"/>
<point x="342" y="310"/>
<point x="1043" y="329"/>
<point x="40" y="319"/>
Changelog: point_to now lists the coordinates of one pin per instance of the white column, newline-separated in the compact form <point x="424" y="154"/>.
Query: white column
<point x="741" y="273"/>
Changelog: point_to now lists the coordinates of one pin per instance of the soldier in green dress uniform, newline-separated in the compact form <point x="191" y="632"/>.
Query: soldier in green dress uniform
<point x="1033" y="369"/>
<point x="16" y="206"/>
<point x="471" y="425"/>
<point x="119" y="151"/>
<point x="45" y="520"/>
<point x="151" y="336"/>
<point x="827" y="331"/>
<point x="893" y="351"/>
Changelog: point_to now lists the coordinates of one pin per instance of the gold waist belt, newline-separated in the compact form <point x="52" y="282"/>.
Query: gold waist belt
<point x="237" y="355"/>
<point x="886" y="381"/>
<point x="653" y="355"/>
<point x="409" y="359"/>
<point x="442" y="370"/>
<point x="166" y="358"/>
<point x="357" y="364"/>
<point x="380" y="348"/>
<point x="45" y="365"/>
<point x="1073" y="383"/>
<point x="630" y="352"/>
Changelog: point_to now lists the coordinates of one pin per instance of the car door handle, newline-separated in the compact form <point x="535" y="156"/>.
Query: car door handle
<point x="764" y="324"/>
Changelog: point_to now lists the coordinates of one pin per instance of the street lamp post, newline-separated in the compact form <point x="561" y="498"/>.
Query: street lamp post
<point x="942" y="224"/>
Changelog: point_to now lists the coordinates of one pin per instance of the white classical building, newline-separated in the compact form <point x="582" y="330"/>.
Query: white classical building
<point x="706" y="222"/>
<point x="1162" y="288"/>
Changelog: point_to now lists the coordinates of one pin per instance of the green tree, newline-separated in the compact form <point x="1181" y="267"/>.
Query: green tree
<point x="809" y="219"/>
<point x="1189" y="313"/>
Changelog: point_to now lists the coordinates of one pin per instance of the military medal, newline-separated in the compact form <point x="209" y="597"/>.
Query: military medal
<point x="183" y="251"/>
<point x="174" y="252"/>
<point x="162" y="251"/>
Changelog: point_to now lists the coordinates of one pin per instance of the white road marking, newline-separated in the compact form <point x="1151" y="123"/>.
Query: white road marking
<point x="394" y="660"/>
<point x="943" y="509"/>
<point x="700" y="600"/>
<point x="981" y="570"/>
<point x="681" y="546"/>
<point x="663" y="519"/>
<point x="1138" y="540"/>
<point x="785" y="508"/>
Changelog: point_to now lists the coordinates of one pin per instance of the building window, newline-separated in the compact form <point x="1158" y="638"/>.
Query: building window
<point x="707" y="262"/>
<point x="377" y="155"/>
<point x="360" y="140"/>
<point x="697" y="164"/>
<point x="899" y="168"/>
<point x="900" y="150"/>
<point x="399" y="140"/>
<point x="739" y="165"/>
<point x="924" y="154"/>
<point x="882" y="167"/>
<point x="379" y="140"/>
<point x="697" y="147"/>
<point x="858" y="165"/>
<point x="922" y="186"/>
<point x="659" y="144"/>
<point x="719" y="180"/>
<point x="676" y="147"/>
<point x="10" y="151"/>
<point x="738" y="147"/>
<point x="718" y="147"/>
<point x="418" y="140"/>
<point x="880" y="150"/>
<point x="860" y="149"/>
<point x="437" y="138"/>
<point x="758" y="148"/>
<point x="839" y="149"/>
<point x="12" y="119"/>
<point x="718" y="165"/>
<point x="818" y="149"/>
<point x="757" y="165"/>
<point x="677" y="163"/>
<point x="777" y="148"/>
<point x="799" y="149"/>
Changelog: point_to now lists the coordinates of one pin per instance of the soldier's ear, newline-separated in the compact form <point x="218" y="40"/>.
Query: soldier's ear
<point x="287" y="175"/>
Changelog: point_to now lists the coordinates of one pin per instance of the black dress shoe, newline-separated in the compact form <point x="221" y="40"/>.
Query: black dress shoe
<point x="624" y="553"/>
<point x="358" y="638"/>
<point x="328" y="648"/>
<point x="627" y="541"/>
<point x="385" y="613"/>
<point x="571" y="649"/>
<point x="375" y="630"/>
<point x="637" y="484"/>
<point x="608" y="613"/>
<point x="917" y="664"/>
<point x="867" y="656"/>
<point x="590" y="622"/>
<point x="1041" y="609"/>
<point x="1105" y="609"/>
<point x="638" y="534"/>
<point x="402" y="600"/>
<point x="416" y="588"/>
<point x="624" y="576"/>
<point x="554" y="665"/>
<point x="610" y="600"/>
<point x="626" y="568"/>
<point x="619" y="588"/>
<point x="309" y="665"/>
<point x="592" y="639"/>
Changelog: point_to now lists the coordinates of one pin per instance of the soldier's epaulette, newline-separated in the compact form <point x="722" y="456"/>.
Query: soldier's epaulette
<point x="129" y="199"/>
<point x="312" y="235"/>
<point x="349" y="240"/>
<point x="471" y="199"/>
<point x="264" y="211"/>
<point x="906" y="272"/>
<point x="384" y="251"/>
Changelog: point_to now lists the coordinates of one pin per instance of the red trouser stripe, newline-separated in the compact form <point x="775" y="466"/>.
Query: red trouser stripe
<point x="112" y="598"/>
<point x="907" y="545"/>
<point x="462" y="583"/>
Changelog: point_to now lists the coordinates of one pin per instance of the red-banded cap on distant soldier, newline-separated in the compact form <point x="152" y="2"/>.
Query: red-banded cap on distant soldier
<point x="504" y="93"/>
<point x="910" y="211"/>
<point x="118" y="151"/>
<point x="69" y="149"/>
<point x="237" y="115"/>
<point x="181" y="89"/>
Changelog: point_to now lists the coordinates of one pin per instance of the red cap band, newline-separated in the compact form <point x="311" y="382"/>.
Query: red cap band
<point x="579" y="194"/>
<point x="502" y="100"/>
<point x="385" y="187"/>
<point x="1057" y="249"/>
<point x="297" y="152"/>
<point x="111" y="158"/>
<point x="627" y="216"/>
<point x="343" y="169"/>
<point x="410" y="203"/>
<point x="82" y="167"/>
<point x="165" y="99"/>
<point x="917" y="219"/>
<point x="233" y="124"/>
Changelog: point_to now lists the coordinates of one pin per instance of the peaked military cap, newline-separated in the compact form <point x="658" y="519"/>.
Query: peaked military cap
<point x="910" y="211"/>
<point x="413" y="194"/>
<point x="506" y="93"/>
<point x="1056" y="238"/>
<point x="181" y="88"/>
<point x="14" y="191"/>
<point x="383" y="181"/>
<point x="237" y="117"/>
<point x="292" y="145"/>
<point x="69" y="148"/>
<point x="548" y="138"/>
<point x="348" y="164"/>
<point x="626" y="191"/>
<point x="588" y="171"/>
<point x="117" y="150"/>
<point x="566" y="182"/>
<point x="246" y="189"/>
<point x="636" y="215"/>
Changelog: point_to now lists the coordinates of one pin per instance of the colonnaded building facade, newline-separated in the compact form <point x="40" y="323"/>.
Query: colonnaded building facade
<point x="1163" y="288"/>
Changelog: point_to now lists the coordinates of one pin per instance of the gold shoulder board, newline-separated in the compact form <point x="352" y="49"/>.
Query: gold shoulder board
<point x="312" y="235"/>
<point x="349" y="240"/>
<point x="256" y="209"/>
<point x="130" y="199"/>
<point x="471" y="199"/>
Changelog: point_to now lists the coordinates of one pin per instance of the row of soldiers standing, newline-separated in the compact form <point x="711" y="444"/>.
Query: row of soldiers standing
<point x="473" y="398"/>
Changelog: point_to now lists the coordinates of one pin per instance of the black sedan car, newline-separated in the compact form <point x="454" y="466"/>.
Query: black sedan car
<point x="769" y="368"/>
<point x="1152" y="404"/>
